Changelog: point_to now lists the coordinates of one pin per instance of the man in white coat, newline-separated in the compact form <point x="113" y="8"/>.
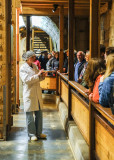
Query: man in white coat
<point x="32" y="95"/>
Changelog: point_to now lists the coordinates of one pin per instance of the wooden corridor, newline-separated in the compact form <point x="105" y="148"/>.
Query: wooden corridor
<point x="56" y="147"/>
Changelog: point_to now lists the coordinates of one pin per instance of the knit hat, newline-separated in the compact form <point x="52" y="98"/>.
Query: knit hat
<point x="27" y="55"/>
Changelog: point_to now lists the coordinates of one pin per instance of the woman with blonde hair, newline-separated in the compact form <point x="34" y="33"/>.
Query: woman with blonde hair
<point x="106" y="82"/>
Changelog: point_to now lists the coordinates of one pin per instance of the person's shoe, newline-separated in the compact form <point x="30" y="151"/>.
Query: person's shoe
<point x="42" y="136"/>
<point x="34" y="138"/>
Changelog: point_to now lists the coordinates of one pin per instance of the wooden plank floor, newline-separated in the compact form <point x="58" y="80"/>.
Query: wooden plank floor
<point x="56" y="147"/>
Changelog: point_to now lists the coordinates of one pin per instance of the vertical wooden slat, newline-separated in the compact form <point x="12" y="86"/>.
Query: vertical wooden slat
<point x="13" y="58"/>
<point x="95" y="52"/>
<point x="71" y="52"/>
<point x="32" y="38"/>
<point x="28" y="34"/>
<point x="50" y="43"/>
<point x="91" y="132"/>
<point x="57" y="84"/>
<point x="61" y="14"/>
<point x="95" y="28"/>
<point x="17" y="56"/>
<point x="71" y="39"/>
<point x="4" y="113"/>
<point x="8" y="61"/>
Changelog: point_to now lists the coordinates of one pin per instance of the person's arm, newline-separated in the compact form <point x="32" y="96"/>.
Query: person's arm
<point x="39" y="66"/>
<point x="104" y="92"/>
<point x="26" y="78"/>
<point x="95" y="97"/>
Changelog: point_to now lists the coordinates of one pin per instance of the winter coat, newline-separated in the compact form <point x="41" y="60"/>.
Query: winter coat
<point x="105" y="90"/>
<point x="32" y="93"/>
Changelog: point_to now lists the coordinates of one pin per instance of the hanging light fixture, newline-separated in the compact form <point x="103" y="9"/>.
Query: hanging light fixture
<point x="55" y="6"/>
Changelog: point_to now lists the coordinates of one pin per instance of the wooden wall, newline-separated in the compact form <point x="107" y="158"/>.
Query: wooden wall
<point x="5" y="68"/>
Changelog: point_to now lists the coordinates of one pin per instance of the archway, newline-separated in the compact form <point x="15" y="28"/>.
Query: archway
<point x="47" y="25"/>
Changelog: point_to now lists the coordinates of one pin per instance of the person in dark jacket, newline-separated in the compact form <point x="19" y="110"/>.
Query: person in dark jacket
<point x="55" y="62"/>
<point x="106" y="82"/>
<point x="43" y="59"/>
<point x="79" y="65"/>
<point x="65" y="64"/>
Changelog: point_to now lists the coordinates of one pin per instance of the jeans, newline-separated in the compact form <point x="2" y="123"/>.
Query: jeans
<point x="34" y="123"/>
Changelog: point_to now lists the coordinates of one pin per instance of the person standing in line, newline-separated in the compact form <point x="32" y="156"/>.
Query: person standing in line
<point x="47" y="64"/>
<point x="51" y="60"/>
<point x="32" y="95"/>
<point x="36" y="62"/>
<point x="43" y="59"/>
<point x="106" y="82"/>
<point x="79" y="65"/>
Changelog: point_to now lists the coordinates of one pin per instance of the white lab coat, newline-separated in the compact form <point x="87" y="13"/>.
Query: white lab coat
<point x="32" y="92"/>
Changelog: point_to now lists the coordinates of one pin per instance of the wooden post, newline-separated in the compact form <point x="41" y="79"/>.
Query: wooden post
<point x="91" y="132"/>
<point x="17" y="56"/>
<point x="61" y="15"/>
<point x="57" y="83"/>
<point x="95" y="28"/>
<point x="95" y="52"/>
<point x="28" y="34"/>
<point x="33" y="39"/>
<point x="8" y="58"/>
<point x="71" y="52"/>
<point x="71" y="39"/>
<point x="50" y="43"/>
<point x="13" y="58"/>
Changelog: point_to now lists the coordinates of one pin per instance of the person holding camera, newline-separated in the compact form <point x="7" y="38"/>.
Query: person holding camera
<point x="32" y="95"/>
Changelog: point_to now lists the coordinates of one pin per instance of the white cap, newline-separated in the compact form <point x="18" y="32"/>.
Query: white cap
<point x="27" y="55"/>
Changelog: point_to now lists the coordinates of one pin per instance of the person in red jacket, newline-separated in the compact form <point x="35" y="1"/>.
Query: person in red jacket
<point x="95" y="69"/>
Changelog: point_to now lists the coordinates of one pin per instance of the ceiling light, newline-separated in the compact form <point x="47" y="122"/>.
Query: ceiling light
<point x="55" y="6"/>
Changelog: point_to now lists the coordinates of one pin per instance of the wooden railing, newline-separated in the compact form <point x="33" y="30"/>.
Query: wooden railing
<point x="95" y="122"/>
<point x="49" y="83"/>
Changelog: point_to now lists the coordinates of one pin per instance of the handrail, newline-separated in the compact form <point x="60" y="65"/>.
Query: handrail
<point x="79" y="88"/>
<point x="106" y="112"/>
<point x="65" y="77"/>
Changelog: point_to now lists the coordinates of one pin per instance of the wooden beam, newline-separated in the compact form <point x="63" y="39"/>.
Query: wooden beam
<point x="71" y="52"/>
<point x="61" y="27"/>
<point x="95" y="28"/>
<point x="28" y="34"/>
<point x="33" y="38"/>
<point x="58" y="1"/>
<point x="104" y="8"/>
<point x="48" y="12"/>
<point x="37" y="5"/>
<point x="17" y="56"/>
<point x="71" y="39"/>
<point x="95" y="52"/>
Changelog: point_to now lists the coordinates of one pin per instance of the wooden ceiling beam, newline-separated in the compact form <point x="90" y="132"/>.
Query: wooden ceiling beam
<point x="48" y="12"/>
<point x="58" y="1"/>
<point x="50" y="5"/>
